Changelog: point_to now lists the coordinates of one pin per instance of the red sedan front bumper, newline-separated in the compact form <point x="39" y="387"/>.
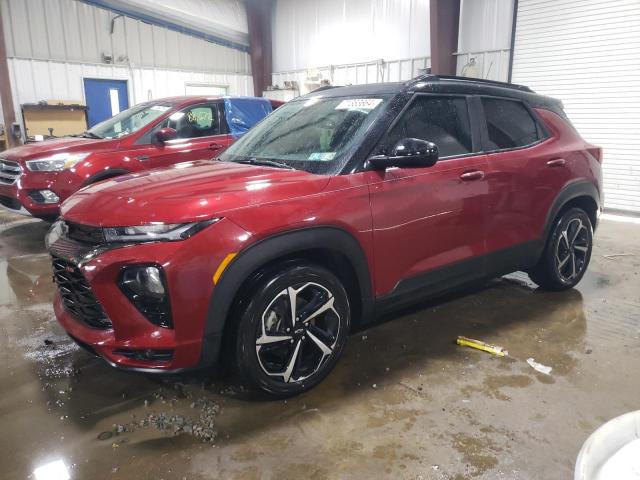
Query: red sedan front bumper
<point x="15" y="196"/>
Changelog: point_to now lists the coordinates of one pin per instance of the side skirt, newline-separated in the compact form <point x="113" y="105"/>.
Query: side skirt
<point x="440" y="281"/>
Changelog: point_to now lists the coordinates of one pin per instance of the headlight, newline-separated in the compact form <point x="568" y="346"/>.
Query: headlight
<point x="155" y="232"/>
<point x="57" y="162"/>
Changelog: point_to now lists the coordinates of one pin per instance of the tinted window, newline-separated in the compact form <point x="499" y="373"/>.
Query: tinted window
<point x="130" y="120"/>
<point x="195" y="121"/>
<point x="441" y="120"/>
<point x="509" y="124"/>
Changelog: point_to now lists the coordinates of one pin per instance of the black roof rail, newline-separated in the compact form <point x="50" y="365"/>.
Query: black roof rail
<point x="431" y="77"/>
<point x="324" y="87"/>
<point x="420" y="78"/>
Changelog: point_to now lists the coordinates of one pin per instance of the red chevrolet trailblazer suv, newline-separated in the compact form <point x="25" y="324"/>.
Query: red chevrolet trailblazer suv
<point x="35" y="178"/>
<point x="339" y="205"/>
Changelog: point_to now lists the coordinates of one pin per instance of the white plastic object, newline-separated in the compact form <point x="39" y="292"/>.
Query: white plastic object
<point x="612" y="452"/>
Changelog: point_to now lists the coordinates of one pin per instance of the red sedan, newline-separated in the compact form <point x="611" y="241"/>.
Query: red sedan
<point x="37" y="177"/>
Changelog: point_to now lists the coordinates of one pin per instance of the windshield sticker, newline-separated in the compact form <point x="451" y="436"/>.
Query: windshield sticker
<point x="363" y="104"/>
<point x="322" y="156"/>
<point x="159" y="108"/>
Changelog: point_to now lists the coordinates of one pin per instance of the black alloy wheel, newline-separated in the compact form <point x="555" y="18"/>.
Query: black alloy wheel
<point x="293" y="330"/>
<point x="567" y="253"/>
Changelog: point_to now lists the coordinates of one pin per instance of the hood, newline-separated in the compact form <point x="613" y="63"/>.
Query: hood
<point x="58" y="145"/>
<point x="186" y="192"/>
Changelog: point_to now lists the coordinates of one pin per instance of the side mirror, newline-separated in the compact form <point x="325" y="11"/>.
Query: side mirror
<point x="407" y="153"/>
<point x="165" y="134"/>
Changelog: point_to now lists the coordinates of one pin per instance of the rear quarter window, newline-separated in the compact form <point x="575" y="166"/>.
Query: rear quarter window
<point x="509" y="124"/>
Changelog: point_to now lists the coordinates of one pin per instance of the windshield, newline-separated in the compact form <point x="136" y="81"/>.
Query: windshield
<point x="129" y="121"/>
<point x="313" y="134"/>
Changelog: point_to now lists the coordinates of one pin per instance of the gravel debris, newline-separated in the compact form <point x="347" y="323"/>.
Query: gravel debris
<point x="202" y="427"/>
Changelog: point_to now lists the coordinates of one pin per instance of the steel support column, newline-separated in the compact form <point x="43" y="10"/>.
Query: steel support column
<point x="444" y="21"/>
<point x="6" y="97"/>
<point x="513" y="38"/>
<point x="259" y="14"/>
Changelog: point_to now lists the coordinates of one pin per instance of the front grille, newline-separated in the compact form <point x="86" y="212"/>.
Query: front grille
<point x="85" y="234"/>
<point x="9" y="171"/>
<point x="67" y="248"/>
<point x="77" y="295"/>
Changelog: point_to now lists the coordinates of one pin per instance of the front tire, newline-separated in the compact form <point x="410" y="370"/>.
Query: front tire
<point x="293" y="330"/>
<point x="567" y="254"/>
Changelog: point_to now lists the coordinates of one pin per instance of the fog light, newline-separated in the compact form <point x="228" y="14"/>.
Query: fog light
<point x="44" y="196"/>
<point x="144" y="281"/>
<point x="145" y="286"/>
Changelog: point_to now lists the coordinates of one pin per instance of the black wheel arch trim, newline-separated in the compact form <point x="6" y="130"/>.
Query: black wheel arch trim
<point x="105" y="175"/>
<point x="575" y="189"/>
<point x="267" y="250"/>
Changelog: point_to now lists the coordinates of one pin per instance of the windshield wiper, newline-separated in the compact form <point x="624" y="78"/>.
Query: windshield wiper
<point x="89" y="134"/>
<point x="265" y="162"/>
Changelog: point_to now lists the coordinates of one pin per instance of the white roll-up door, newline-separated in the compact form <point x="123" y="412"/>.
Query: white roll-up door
<point x="587" y="53"/>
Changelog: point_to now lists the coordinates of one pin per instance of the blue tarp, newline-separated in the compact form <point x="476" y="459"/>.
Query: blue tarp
<point x="242" y="113"/>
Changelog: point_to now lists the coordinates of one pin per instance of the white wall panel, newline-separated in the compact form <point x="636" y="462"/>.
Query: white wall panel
<point x="36" y="80"/>
<point x="354" y="74"/>
<point x="315" y="33"/>
<point x="587" y="53"/>
<point x="484" y="38"/>
<point x="485" y="25"/>
<point x="72" y="31"/>
<point x="224" y="19"/>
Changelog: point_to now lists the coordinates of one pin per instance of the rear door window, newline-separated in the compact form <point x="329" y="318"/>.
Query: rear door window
<point x="509" y="124"/>
<point x="441" y="120"/>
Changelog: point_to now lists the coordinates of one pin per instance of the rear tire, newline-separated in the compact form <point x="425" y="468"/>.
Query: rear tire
<point x="567" y="253"/>
<point x="285" y="350"/>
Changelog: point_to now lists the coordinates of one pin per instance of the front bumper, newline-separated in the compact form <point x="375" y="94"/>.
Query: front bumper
<point x="189" y="266"/>
<point x="15" y="197"/>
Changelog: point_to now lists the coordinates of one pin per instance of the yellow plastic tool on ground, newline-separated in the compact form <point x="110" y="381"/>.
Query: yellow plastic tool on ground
<point x="485" y="347"/>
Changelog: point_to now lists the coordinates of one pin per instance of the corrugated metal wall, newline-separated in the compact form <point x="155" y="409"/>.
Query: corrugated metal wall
<point x="223" y="20"/>
<point x="356" y="73"/>
<point x="72" y="31"/>
<point x="587" y="53"/>
<point x="350" y="41"/>
<point x="314" y="33"/>
<point x="53" y="44"/>
<point x="484" y="38"/>
<point x="35" y="80"/>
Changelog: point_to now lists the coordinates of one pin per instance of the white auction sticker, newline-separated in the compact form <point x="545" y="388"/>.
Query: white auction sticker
<point x="359" y="104"/>
<point x="322" y="156"/>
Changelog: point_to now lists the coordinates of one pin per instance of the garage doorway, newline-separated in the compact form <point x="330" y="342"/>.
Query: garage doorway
<point x="105" y="98"/>
<point x="205" y="89"/>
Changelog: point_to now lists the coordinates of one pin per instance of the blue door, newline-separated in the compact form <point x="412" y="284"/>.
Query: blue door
<point x="105" y="98"/>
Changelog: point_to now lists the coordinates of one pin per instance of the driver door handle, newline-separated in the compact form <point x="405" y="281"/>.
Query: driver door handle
<point x="215" y="146"/>
<point x="470" y="176"/>
<point x="556" y="162"/>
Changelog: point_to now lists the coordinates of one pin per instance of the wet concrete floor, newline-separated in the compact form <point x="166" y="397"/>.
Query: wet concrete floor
<point x="404" y="402"/>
